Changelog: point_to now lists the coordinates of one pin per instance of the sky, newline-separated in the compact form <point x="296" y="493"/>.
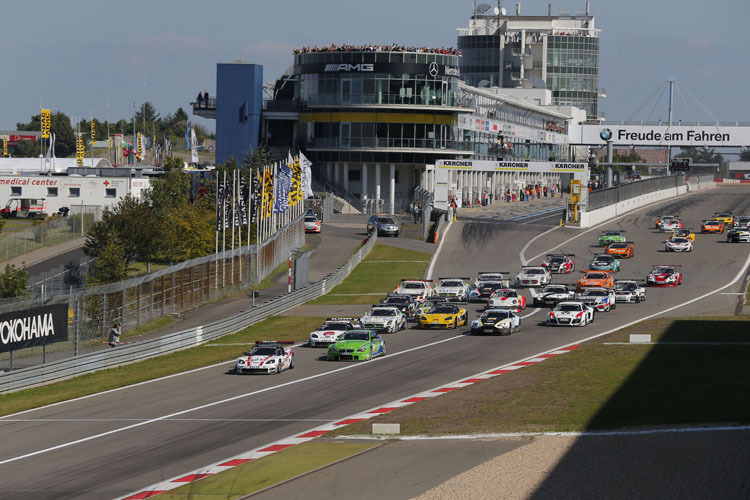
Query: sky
<point x="75" y="55"/>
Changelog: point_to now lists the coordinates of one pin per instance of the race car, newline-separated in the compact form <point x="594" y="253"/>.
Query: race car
<point x="664" y="276"/>
<point x="447" y="315"/>
<point x="738" y="236"/>
<point x="683" y="233"/>
<point x="404" y="302"/>
<point x="663" y="218"/>
<point x="506" y="298"/>
<point x="712" y="226"/>
<point x="591" y="278"/>
<point x="622" y="250"/>
<point x="312" y="224"/>
<point x="384" y="319"/>
<point x="560" y="263"/>
<point x="266" y="356"/>
<point x="551" y="295"/>
<point x="570" y="313"/>
<point x="454" y="289"/>
<point x="419" y="289"/>
<point x="604" y="262"/>
<point x="533" y="276"/>
<point x="742" y="221"/>
<point x="602" y="299"/>
<point x="429" y="304"/>
<point x="357" y="345"/>
<point x="608" y="237"/>
<point x="669" y="225"/>
<point x="333" y="329"/>
<point x="629" y="291"/>
<point x="486" y="283"/>
<point x="725" y="217"/>
<point x="678" y="245"/>
<point x="496" y="321"/>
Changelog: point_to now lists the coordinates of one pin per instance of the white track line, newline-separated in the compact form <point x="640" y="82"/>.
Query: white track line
<point x="437" y="252"/>
<point x="216" y="403"/>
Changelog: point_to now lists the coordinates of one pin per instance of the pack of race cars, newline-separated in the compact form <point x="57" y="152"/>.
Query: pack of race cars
<point x="442" y="303"/>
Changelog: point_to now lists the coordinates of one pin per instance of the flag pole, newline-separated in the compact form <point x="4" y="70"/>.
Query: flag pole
<point x="234" y="217"/>
<point x="216" y="253"/>
<point x="239" y="226"/>
<point x="224" y="233"/>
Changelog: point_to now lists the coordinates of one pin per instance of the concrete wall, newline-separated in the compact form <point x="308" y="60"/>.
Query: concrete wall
<point x="595" y="217"/>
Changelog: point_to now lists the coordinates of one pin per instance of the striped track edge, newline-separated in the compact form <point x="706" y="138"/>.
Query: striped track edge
<point x="321" y="430"/>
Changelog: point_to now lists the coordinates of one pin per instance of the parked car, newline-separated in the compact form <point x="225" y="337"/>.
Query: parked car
<point x="384" y="225"/>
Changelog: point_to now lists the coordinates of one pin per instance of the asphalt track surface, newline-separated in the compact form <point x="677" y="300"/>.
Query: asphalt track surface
<point x="116" y="443"/>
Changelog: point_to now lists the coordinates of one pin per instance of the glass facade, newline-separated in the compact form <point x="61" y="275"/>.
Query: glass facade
<point x="480" y="59"/>
<point x="573" y="71"/>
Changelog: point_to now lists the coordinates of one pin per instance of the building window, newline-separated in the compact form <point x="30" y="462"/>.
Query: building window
<point x="74" y="192"/>
<point x="51" y="192"/>
<point x="110" y="193"/>
<point x="15" y="190"/>
<point x="355" y="175"/>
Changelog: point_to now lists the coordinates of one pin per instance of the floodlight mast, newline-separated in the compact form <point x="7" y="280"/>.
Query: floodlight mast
<point x="671" y="81"/>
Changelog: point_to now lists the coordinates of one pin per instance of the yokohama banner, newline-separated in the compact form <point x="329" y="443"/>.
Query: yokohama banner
<point x="33" y="327"/>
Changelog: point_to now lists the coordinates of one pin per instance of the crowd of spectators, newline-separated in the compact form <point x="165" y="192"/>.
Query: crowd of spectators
<point x="378" y="48"/>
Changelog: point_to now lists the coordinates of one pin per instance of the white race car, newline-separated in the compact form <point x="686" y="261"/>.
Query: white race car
<point x="629" y="291"/>
<point x="332" y="330"/>
<point x="738" y="235"/>
<point x="533" y="276"/>
<point x="560" y="263"/>
<point x="453" y="289"/>
<point x="506" y="298"/>
<point x="384" y="319"/>
<point x="571" y="313"/>
<point x="602" y="299"/>
<point x="266" y="356"/>
<point x="486" y="283"/>
<point x="553" y="294"/>
<point x="678" y="244"/>
<point x="495" y="321"/>
<point x="419" y="289"/>
<point x="669" y="225"/>
<point x="312" y="224"/>
<point x="742" y="222"/>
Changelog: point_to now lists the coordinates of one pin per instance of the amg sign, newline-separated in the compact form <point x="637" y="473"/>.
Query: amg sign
<point x="350" y="67"/>
<point x="33" y="327"/>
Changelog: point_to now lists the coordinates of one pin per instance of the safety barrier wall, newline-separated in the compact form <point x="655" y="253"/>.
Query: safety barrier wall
<point x="131" y="353"/>
<point x="595" y="217"/>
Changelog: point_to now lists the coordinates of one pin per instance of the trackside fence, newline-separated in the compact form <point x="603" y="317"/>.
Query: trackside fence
<point x="130" y="353"/>
<point x="611" y="196"/>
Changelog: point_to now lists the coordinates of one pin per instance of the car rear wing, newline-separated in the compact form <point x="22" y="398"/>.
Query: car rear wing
<point x="560" y="255"/>
<point x="274" y="342"/>
<point x="493" y="272"/>
<point x="596" y="271"/>
<point x="613" y="230"/>
<point x="454" y="278"/>
<point x="344" y="319"/>
<point x="666" y="265"/>
<point x="426" y="281"/>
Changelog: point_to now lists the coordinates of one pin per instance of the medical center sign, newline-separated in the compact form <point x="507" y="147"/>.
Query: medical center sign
<point x="662" y="135"/>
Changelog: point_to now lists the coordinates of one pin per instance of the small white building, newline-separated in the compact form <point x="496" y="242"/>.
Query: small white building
<point x="102" y="187"/>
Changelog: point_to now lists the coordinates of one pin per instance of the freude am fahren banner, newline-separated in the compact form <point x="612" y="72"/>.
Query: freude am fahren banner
<point x="661" y="135"/>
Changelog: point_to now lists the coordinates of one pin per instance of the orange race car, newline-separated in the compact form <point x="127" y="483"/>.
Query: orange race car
<point x="599" y="279"/>
<point x="712" y="226"/>
<point x="623" y="249"/>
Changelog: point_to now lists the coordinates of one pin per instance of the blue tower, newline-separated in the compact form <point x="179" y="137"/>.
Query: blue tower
<point x="239" y="103"/>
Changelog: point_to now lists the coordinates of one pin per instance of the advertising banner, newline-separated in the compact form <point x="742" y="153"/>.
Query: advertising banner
<point x="33" y="327"/>
<point x="46" y="123"/>
<point x="710" y="136"/>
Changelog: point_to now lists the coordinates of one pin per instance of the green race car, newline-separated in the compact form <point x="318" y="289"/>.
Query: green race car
<point x="357" y="345"/>
<point x="608" y="237"/>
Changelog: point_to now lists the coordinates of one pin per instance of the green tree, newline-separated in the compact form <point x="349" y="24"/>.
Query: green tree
<point x="110" y="265"/>
<point x="171" y="189"/>
<point x="24" y="149"/>
<point x="745" y="154"/>
<point x="189" y="233"/>
<point x="705" y="155"/>
<point x="14" y="282"/>
<point x="65" y="139"/>
<point x="147" y="111"/>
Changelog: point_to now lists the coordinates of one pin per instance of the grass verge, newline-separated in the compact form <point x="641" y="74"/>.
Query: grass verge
<point x="276" y="327"/>
<point x="380" y="271"/>
<point x="273" y="469"/>
<point x="601" y="386"/>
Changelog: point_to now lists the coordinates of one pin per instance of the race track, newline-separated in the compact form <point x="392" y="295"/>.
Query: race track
<point x="116" y="443"/>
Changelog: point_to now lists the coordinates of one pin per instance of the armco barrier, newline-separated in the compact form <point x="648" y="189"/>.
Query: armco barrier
<point x="131" y="353"/>
<point x="595" y="217"/>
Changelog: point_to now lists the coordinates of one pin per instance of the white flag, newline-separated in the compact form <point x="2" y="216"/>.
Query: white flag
<point x="49" y="149"/>
<point x="193" y="146"/>
<point x="306" y="175"/>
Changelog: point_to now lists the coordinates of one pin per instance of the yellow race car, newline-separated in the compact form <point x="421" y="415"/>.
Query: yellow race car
<point x="683" y="233"/>
<point x="725" y="217"/>
<point x="443" y="315"/>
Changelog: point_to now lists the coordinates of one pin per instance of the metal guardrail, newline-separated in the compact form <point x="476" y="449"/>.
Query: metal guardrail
<point x="186" y="339"/>
<point x="610" y="196"/>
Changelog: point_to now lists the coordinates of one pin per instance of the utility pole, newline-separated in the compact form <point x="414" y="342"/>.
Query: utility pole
<point x="671" y="81"/>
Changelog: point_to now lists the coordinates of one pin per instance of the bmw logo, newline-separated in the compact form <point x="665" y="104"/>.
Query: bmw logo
<point x="433" y="69"/>
<point x="605" y="134"/>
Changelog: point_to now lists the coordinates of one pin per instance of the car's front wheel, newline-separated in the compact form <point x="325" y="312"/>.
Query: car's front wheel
<point x="291" y="363"/>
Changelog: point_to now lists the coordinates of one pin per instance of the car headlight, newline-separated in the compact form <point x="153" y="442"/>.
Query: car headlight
<point x="314" y="335"/>
<point x="476" y="323"/>
<point x="332" y="348"/>
<point x="362" y="349"/>
<point x="270" y="361"/>
<point x="449" y="318"/>
<point x="423" y="318"/>
<point x="240" y="362"/>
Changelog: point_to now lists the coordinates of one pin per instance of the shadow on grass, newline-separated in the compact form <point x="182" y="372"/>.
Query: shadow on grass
<point x="683" y="381"/>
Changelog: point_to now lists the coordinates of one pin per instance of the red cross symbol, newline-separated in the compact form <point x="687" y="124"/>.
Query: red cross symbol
<point x="106" y="183"/>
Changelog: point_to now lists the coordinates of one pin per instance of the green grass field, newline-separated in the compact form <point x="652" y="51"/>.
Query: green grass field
<point x="273" y="469"/>
<point x="601" y="386"/>
<point x="380" y="272"/>
<point x="275" y="327"/>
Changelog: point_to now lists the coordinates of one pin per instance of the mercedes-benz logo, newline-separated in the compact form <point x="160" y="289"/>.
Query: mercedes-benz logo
<point x="433" y="70"/>
<point x="605" y="134"/>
